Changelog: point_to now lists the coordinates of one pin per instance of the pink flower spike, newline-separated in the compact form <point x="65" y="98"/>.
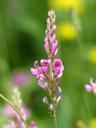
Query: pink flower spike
<point x="51" y="69"/>
<point x="51" y="45"/>
<point x="88" y="88"/>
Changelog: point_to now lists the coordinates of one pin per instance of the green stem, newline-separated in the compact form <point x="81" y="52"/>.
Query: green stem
<point x="54" y="120"/>
<point x="15" y="109"/>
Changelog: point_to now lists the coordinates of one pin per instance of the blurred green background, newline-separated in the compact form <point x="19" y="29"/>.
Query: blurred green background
<point x="22" y="31"/>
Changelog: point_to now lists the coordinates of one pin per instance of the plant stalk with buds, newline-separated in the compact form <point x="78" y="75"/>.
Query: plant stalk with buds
<point x="51" y="69"/>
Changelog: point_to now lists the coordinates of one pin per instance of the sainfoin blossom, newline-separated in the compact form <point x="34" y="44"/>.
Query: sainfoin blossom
<point x="91" y="87"/>
<point x="50" y="70"/>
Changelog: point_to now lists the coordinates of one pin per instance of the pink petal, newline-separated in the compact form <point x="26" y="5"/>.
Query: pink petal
<point x="40" y="76"/>
<point x="36" y="64"/>
<point x="43" y="84"/>
<point x="58" y="67"/>
<point x="33" y="125"/>
<point x="44" y="69"/>
<point x="25" y="112"/>
<point x="57" y="62"/>
<point x="88" y="88"/>
<point x="34" y="71"/>
<point x="45" y="62"/>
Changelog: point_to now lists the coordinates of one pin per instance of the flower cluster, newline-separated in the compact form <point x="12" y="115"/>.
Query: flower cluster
<point x="43" y="75"/>
<point x="91" y="87"/>
<point x="51" y="69"/>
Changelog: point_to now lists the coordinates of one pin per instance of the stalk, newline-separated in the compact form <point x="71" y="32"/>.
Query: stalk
<point x="54" y="121"/>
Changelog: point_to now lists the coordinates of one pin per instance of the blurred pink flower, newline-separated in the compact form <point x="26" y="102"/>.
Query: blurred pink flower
<point x="25" y="112"/>
<point x="20" y="78"/>
<point x="33" y="125"/>
<point x="10" y="113"/>
<point x="11" y="125"/>
<point x="91" y="87"/>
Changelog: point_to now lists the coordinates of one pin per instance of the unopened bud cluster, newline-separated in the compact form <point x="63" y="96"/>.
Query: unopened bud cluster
<point x="16" y="98"/>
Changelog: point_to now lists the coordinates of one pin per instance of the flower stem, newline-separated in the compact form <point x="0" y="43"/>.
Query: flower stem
<point x="15" y="109"/>
<point x="54" y="120"/>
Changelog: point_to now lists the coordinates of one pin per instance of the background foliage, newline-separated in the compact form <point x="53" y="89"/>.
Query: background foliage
<point x="22" y="31"/>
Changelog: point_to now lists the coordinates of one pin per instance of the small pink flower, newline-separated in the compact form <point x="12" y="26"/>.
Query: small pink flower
<point x="33" y="125"/>
<point x="45" y="65"/>
<point x="39" y="71"/>
<point x="58" y="67"/>
<point x="91" y="87"/>
<point x="45" y="62"/>
<point x="25" y="112"/>
<point x="34" y="71"/>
